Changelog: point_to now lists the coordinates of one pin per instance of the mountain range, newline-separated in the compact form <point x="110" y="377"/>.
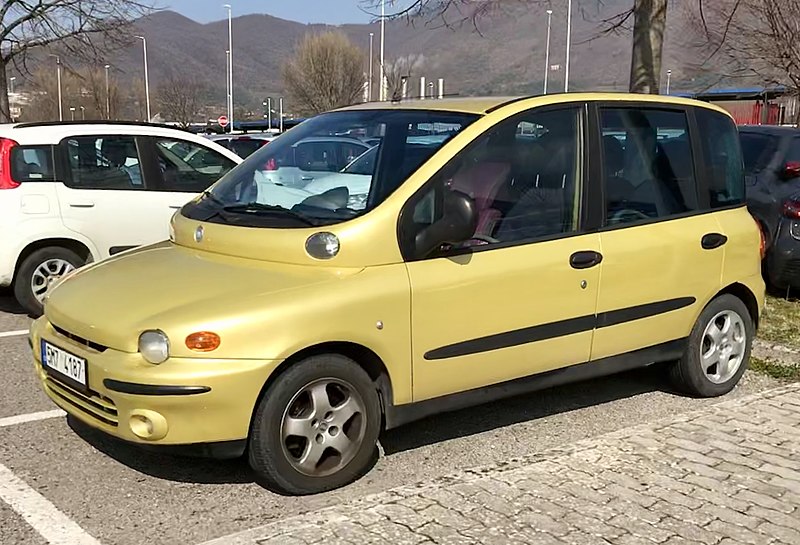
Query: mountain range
<point x="504" y="55"/>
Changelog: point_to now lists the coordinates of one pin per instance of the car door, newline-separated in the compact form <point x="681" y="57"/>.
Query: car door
<point x="182" y="169"/>
<point x="519" y="297"/>
<point x="105" y="193"/>
<point x="662" y="246"/>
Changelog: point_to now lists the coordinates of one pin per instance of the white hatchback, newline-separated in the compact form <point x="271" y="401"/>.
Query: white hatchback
<point x="71" y="193"/>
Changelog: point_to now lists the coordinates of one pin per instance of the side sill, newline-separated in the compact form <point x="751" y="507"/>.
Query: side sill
<point x="398" y="415"/>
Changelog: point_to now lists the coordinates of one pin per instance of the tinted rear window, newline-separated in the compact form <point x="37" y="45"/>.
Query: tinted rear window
<point x="757" y="150"/>
<point x="724" y="167"/>
<point x="245" y="147"/>
<point x="32" y="164"/>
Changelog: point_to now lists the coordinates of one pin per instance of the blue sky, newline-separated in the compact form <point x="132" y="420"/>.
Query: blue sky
<point x="304" y="11"/>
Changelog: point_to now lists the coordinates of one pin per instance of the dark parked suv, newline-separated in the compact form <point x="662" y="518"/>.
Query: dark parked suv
<point x="772" y="177"/>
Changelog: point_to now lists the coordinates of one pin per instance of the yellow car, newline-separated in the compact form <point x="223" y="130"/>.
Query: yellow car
<point x="383" y="262"/>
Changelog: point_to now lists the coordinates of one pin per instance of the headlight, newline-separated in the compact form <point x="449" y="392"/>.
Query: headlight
<point x="154" y="346"/>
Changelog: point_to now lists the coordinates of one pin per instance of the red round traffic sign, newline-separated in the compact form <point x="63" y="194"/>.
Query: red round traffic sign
<point x="223" y="121"/>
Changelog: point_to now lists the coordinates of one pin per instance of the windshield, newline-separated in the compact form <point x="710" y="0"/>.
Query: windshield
<point x="328" y="169"/>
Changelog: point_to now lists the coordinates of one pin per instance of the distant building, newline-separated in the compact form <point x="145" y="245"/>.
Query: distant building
<point x="753" y="106"/>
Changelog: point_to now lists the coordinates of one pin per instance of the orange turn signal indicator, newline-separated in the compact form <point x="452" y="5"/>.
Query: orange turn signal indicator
<point x="203" y="341"/>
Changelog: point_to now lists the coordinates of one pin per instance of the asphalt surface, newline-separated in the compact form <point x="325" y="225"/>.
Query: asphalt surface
<point x="122" y="495"/>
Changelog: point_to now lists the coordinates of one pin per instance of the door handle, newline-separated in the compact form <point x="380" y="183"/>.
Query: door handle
<point x="585" y="259"/>
<point x="82" y="204"/>
<point x="306" y="178"/>
<point x="713" y="240"/>
<point x="176" y="206"/>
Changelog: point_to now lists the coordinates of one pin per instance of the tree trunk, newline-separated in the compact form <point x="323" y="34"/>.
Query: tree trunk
<point x="650" y="19"/>
<point x="5" y="107"/>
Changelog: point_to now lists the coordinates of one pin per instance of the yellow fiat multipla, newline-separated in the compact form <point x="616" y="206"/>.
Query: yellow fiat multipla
<point x="382" y="262"/>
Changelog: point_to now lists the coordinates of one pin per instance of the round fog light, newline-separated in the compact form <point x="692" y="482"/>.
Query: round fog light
<point x="154" y="346"/>
<point x="147" y="425"/>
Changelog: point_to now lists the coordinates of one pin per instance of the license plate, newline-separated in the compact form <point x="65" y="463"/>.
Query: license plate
<point x="63" y="364"/>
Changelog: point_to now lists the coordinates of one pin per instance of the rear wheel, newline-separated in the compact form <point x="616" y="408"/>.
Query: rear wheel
<point x="718" y="350"/>
<point x="316" y="427"/>
<point x="38" y="272"/>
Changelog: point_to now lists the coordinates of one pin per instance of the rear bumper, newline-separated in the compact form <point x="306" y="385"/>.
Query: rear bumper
<point x="183" y="402"/>
<point x="783" y="258"/>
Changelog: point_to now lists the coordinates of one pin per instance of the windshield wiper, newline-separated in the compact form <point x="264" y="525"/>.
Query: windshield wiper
<point x="261" y="208"/>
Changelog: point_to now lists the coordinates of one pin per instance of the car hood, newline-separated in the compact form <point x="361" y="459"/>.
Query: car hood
<point x="175" y="289"/>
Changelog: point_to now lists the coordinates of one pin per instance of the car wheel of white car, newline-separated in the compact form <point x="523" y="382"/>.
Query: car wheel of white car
<point x="38" y="272"/>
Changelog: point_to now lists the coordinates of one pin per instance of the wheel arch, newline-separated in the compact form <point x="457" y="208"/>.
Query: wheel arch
<point x="59" y="242"/>
<point x="366" y="358"/>
<point x="743" y="293"/>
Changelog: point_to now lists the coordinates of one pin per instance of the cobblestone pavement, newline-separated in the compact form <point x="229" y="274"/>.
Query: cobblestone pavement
<point x="726" y="475"/>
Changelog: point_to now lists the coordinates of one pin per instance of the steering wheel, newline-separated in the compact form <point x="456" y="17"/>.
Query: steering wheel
<point x="628" y="214"/>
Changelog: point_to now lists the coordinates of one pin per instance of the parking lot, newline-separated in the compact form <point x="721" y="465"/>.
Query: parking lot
<point x="64" y="483"/>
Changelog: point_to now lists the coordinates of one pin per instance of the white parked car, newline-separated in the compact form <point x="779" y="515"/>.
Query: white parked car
<point x="71" y="193"/>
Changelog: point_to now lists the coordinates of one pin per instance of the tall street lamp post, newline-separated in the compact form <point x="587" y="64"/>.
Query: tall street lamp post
<point x="146" y="77"/>
<point x="547" y="51"/>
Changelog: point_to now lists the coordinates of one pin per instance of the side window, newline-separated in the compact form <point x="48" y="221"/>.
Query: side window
<point x="757" y="151"/>
<point x="723" y="158"/>
<point x="524" y="176"/>
<point x="32" y="164"/>
<point x="188" y="167"/>
<point x="103" y="162"/>
<point x="647" y="163"/>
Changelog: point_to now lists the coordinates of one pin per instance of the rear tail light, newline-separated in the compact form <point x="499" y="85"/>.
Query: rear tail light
<point x="762" y="242"/>
<point x="6" y="181"/>
<point x="791" y="208"/>
<point x="271" y="164"/>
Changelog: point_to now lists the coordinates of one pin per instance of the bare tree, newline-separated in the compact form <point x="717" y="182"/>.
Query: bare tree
<point x="757" y="39"/>
<point x="325" y="72"/>
<point x="181" y="98"/>
<point x="80" y="28"/>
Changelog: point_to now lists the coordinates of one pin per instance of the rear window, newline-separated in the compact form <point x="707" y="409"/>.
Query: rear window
<point x="244" y="147"/>
<point x="723" y="158"/>
<point x="32" y="164"/>
<point x="757" y="149"/>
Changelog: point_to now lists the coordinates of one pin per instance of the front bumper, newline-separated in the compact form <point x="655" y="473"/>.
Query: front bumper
<point x="183" y="401"/>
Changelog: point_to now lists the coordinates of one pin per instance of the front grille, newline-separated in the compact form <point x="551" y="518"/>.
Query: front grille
<point x="92" y="404"/>
<point x="80" y="340"/>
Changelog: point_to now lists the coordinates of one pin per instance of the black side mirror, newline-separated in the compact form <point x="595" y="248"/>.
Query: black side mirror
<point x="457" y="224"/>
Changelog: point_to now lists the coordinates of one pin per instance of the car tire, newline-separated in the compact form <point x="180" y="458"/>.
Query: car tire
<point x="316" y="427"/>
<point x="33" y="271"/>
<point x="718" y="349"/>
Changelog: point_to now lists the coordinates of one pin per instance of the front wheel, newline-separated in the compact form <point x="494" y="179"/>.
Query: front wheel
<point x="316" y="427"/>
<point x="718" y="350"/>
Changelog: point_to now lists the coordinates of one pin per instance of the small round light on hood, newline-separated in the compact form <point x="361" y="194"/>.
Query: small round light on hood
<point x="322" y="245"/>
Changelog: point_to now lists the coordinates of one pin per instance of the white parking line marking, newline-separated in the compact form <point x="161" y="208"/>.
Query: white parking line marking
<point x="44" y="517"/>
<point x="18" y="333"/>
<point x="30" y="417"/>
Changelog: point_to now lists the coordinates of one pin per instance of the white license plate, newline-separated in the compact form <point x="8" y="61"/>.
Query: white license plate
<point x="63" y="363"/>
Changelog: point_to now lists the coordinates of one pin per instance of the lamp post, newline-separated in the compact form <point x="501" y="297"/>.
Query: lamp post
<point x="230" y="63"/>
<point x="382" y="94"/>
<point x="280" y="110"/>
<point x="83" y="113"/>
<point x="547" y="51"/>
<point x="369" y="86"/>
<point x="58" y="76"/>
<point x="108" y="94"/>
<point x="269" y="113"/>
<point x="146" y="77"/>
<point x="72" y="111"/>
<point x="669" y="77"/>
<point x="11" y="84"/>
<point x="569" y="43"/>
